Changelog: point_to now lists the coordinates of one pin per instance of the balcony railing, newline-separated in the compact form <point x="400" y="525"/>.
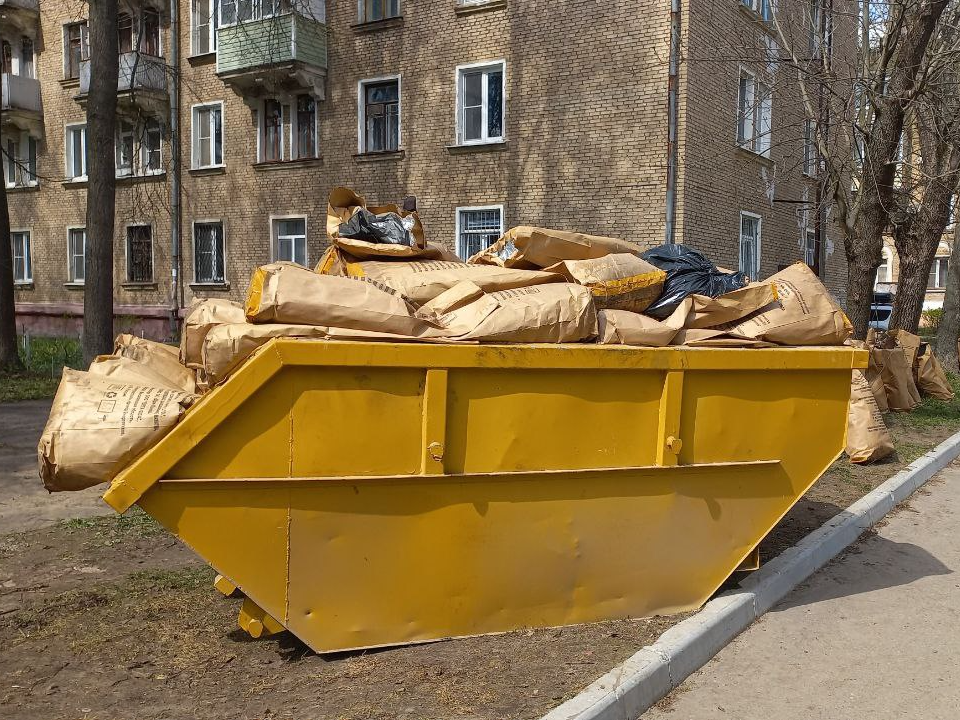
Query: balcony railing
<point x="137" y="72"/>
<point x="274" y="41"/>
<point x="33" y="5"/>
<point x="20" y="93"/>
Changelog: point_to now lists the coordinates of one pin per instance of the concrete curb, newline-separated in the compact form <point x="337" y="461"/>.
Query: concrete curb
<point x="632" y="687"/>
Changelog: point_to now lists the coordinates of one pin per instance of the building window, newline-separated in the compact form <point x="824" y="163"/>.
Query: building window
<point x="234" y="11"/>
<point x="809" y="148"/>
<point x="290" y="240"/>
<point x="203" y="17"/>
<point x="938" y="273"/>
<point x="208" y="263"/>
<point x="480" y="103"/>
<point x="750" y="245"/>
<point x="478" y="228"/>
<point x="151" y="147"/>
<point x="810" y="249"/>
<point x="139" y="253"/>
<point x="271" y="143"/>
<point x="821" y="29"/>
<point x="885" y="269"/>
<point x="75" y="48"/>
<point x="76" y="247"/>
<point x="754" y="114"/>
<point x="20" y="166"/>
<point x="22" y="270"/>
<point x="6" y="57"/>
<point x="76" y="152"/>
<point x="306" y="126"/>
<point x="26" y="57"/>
<point x="762" y="8"/>
<point x="373" y="10"/>
<point x="123" y="146"/>
<point x="207" y="135"/>
<point x="380" y="115"/>
<point x="150" y="32"/>
<point x="125" y="32"/>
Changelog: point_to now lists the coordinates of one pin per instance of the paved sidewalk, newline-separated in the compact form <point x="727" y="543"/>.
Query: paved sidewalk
<point x="874" y="635"/>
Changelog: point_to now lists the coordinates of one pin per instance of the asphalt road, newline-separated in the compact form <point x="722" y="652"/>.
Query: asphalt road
<point x="875" y="634"/>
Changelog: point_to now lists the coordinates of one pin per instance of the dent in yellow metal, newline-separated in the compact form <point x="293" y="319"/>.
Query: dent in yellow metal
<point x="224" y="586"/>
<point x="751" y="562"/>
<point x="434" y="421"/>
<point x="668" y="421"/>
<point x="256" y="621"/>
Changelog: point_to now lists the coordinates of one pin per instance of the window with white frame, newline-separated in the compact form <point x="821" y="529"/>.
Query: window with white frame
<point x="123" y="147"/>
<point x="306" y="130"/>
<point x="272" y="122"/>
<point x="138" y="148"/>
<point x="76" y="247"/>
<point x="809" y="148"/>
<point x="76" y="48"/>
<point x="478" y="228"/>
<point x="938" y="273"/>
<point x="27" y="68"/>
<point x="208" y="253"/>
<point x="374" y="10"/>
<point x="238" y="11"/>
<point x="139" y="254"/>
<point x="480" y="103"/>
<point x="762" y="8"/>
<point x="810" y="248"/>
<point x="20" y="244"/>
<point x="287" y="135"/>
<point x="151" y="147"/>
<point x="885" y="269"/>
<point x="20" y="160"/>
<point x="290" y="239"/>
<point x="750" y="245"/>
<point x="821" y="28"/>
<point x="380" y="115"/>
<point x="76" y="152"/>
<point x="754" y="114"/>
<point x="207" y="135"/>
<point x="203" y="27"/>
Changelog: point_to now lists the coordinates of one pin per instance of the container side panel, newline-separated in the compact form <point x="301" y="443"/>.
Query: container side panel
<point x="355" y="420"/>
<point x="551" y="419"/>
<point x="253" y="441"/>
<point x="383" y="562"/>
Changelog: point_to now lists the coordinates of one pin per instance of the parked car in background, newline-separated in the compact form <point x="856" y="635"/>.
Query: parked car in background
<point x="880" y="310"/>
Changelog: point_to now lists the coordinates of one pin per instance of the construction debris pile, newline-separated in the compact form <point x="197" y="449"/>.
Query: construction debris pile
<point x="902" y="368"/>
<point x="380" y="280"/>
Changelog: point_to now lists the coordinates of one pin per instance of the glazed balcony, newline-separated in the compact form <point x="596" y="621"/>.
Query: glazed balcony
<point x="21" y="101"/>
<point x="23" y="16"/>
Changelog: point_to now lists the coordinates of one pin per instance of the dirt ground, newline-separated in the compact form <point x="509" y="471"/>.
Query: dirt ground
<point x="110" y="618"/>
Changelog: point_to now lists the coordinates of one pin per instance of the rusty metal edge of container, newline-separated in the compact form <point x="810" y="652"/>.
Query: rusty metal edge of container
<point x="128" y="486"/>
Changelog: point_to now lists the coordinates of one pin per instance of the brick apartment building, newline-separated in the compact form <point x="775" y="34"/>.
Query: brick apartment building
<point x="493" y="113"/>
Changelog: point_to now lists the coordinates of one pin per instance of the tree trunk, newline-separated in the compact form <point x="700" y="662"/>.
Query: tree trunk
<point x="949" y="329"/>
<point x="101" y="185"/>
<point x="9" y="356"/>
<point x="861" y="272"/>
<point x="912" y="284"/>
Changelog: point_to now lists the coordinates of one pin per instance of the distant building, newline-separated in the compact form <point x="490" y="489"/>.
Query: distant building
<point x="492" y="112"/>
<point x="889" y="271"/>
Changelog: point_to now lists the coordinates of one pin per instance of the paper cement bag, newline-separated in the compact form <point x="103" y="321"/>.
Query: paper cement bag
<point x="530" y="248"/>
<point x="344" y="203"/>
<point x="99" y="425"/>
<point x="902" y="394"/>
<point x="931" y="378"/>
<point x="704" y="337"/>
<point x="162" y="359"/>
<point x="867" y="436"/>
<point x="803" y="314"/>
<point x="553" y="313"/>
<point x="286" y="293"/>
<point x="118" y="368"/>
<point x="619" y="327"/>
<point x="619" y="281"/>
<point x="875" y="379"/>
<point x="336" y="261"/>
<point x="203" y="316"/>
<point x="910" y="344"/>
<point x="708" y="312"/>
<point x="420" y="281"/>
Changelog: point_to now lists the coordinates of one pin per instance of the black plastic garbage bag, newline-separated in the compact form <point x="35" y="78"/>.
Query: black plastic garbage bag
<point x="689" y="272"/>
<point x="388" y="228"/>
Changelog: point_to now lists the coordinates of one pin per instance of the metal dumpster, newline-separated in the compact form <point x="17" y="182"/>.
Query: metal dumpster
<point x="370" y="494"/>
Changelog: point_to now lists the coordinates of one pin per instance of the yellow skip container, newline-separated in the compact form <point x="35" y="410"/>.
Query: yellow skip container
<point x="370" y="494"/>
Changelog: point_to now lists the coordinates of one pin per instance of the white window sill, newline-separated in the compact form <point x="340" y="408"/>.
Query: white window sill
<point x="486" y="145"/>
<point x="73" y="285"/>
<point x="208" y="170"/>
<point x="466" y="7"/>
<point x="210" y="285"/>
<point x="77" y="179"/>
<point x="23" y="284"/>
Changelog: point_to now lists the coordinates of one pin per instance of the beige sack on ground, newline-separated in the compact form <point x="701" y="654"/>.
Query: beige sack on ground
<point x="931" y="378"/>
<point x="420" y="281"/>
<point x="708" y="312"/>
<point x="344" y="202"/>
<point x="619" y="327"/>
<point x="867" y="436"/>
<point x="804" y="313"/>
<point x="286" y="293"/>
<point x="902" y="394"/>
<point x="203" y="316"/>
<point x="530" y="248"/>
<point x="910" y="344"/>
<point x="162" y="359"/>
<point x="620" y="281"/>
<point x="99" y="425"/>
<point x="553" y="313"/>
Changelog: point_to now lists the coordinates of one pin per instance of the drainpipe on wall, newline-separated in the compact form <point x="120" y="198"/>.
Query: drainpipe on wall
<point x="673" y="93"/>
<point x="176" y="285"/>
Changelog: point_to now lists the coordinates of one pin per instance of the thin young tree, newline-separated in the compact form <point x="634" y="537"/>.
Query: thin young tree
<point x="101" y="185"/>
